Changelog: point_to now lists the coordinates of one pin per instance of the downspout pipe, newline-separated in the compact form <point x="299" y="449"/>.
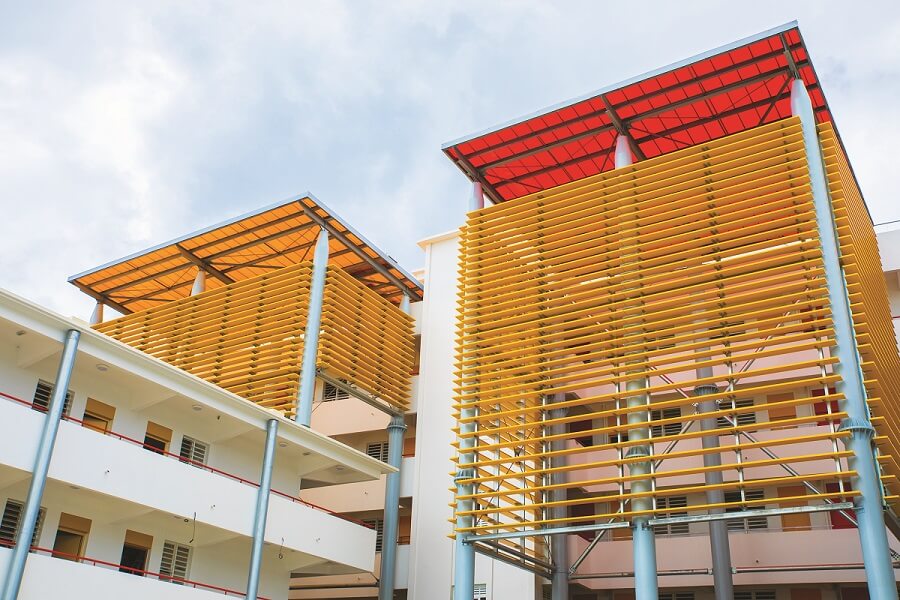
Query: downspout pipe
<point x="262" y="509"/>
<point x="868" y="505"/>
<point x="646" y="586"/>
<point x="313" y="328"/>
<point x="463" y="551"/>
<point x="32" y="507"/>
<point x="396" y="430"/>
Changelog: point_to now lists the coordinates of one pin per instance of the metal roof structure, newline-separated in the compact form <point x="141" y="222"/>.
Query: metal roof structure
<point x="246" y="246"/>
<point x="721" y="92"/>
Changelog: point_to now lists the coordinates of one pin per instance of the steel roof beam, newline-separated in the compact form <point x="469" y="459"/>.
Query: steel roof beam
<point x="203" y="264"/>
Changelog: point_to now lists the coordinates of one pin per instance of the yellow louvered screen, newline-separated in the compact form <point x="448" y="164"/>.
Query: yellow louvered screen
<point x="875" y="335"/>
<point x="247" y="337"/>
<point x="706" y="255"/>
<point x="366" y="339"/>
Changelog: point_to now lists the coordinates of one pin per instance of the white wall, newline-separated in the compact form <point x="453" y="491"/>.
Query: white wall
<point x="431" y="552"/>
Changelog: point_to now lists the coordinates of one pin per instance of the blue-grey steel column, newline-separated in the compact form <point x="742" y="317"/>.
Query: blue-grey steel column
<point x="396" y="428"/>
<point x="868" y="506"/>
<point x="311" y="335"/>
<point x="463" y="552"/>
<point x="41" y="466"/>
<point x="643" y="542"/>
<point x="262" y="509"/>
<point x="559" y="549"/>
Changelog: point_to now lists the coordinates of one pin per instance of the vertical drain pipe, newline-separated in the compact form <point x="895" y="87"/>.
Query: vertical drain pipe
<point x="32" y="507"/>
<point x="646" y="586"/>
<point x="559" y="551"/>
<point x="868" y="506"/>
<point x="464" y="552"/>
<point x="311" y="335"/>
<point x="262" y="509"/>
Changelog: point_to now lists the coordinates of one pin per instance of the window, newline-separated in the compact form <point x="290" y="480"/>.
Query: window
<point x="417" y="354"/>
<point x="193" y="450"/>
<point x="135" y="552"/>
<point x="176" y="561"/>
<point x="677" y="596"/>
<point x="42" y="395"/>
<point x="480" y="591"/>
<point x="838" y="520"/>
<point x="378" y="525"/>
<point x="10" y="524"/>
<point x="821" y="408"/>
<point x="577" y="426"/>
<point x="378" y="450"/>
<point x="754" y="595"/>
<point x="98" y="416"/>
<point x="157" y="438"/>
<point x="331" y="392"/>
<point x="742" y="418"/>
<point x="671" y="503"/>
<point x="749" y="523"/>
<point x="71" y="537"/>
<point x="667" y="428"/>
<point x="778" y="412"/>
<point x="621" y="436"/>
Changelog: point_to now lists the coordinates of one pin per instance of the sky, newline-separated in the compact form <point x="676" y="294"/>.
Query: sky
<point x="123" y="125"/>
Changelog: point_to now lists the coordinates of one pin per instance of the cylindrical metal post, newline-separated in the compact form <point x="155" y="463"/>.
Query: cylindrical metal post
<point x="32" y="506"/>
<point x="262" y="509"/>
<point x="719" y="547"/>
<point x="97" y="314"/>
<point x="559" y="550"/>
<point x="463" y="552"/>
<point x="396" y="429"/>
<point x="869" y="504"/>
<point x="643" y="539"/>
<point x="199" y="283"/>
<point x="311" y="335"/>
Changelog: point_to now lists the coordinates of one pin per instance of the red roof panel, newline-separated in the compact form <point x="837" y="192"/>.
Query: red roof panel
<point x="742" y="86"/>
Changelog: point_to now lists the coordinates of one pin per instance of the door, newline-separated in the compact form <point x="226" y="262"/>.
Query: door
<point x="71" y="536"/>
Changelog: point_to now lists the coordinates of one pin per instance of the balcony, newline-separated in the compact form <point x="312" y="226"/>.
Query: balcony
<point x="121" y="470"/>
<point x="50" y="574"/>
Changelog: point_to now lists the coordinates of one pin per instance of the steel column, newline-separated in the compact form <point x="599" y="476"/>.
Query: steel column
<point x="868" y="506"/>
<point x="313" y="327"/>
<point x="464" y="552"/>
<point x="559" y="551"/>
<point x="199" y="283"/>
<point x="396" y="429"/>
<point x="32" y="508"/>
<point x="262" y="509"/>
<point x="718" y="530"/>
<point x="97" y="314"/>
<point x="643" y="538"/>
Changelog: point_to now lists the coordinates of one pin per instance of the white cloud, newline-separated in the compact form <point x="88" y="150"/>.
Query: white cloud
<point x="123" y="126"/>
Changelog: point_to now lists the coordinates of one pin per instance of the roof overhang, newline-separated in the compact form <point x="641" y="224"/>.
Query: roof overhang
<point x="721" y="92"/>
<point x="246" y="246"/>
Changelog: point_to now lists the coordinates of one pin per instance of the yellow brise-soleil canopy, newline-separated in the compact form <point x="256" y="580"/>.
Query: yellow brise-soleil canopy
<point x="247" y="337"/>
<point x="705" y="257"/>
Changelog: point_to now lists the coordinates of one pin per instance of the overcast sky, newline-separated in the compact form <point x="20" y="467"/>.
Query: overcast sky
<point x="124" y="127"/>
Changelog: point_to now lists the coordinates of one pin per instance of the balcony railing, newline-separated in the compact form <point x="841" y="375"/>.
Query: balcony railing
<point x="133" y="571"/>
<point x="182" y="459"/>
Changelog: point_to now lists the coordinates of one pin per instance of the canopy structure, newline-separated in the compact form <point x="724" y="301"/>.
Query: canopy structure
<point x="718" y="93"/>
<point x="253" y="244"/>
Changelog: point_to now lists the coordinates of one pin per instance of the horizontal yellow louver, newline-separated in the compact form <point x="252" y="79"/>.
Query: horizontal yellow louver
<point x="708" y="256"/>
<point x="873" y="325"/>
<point x="247" y="337"/>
